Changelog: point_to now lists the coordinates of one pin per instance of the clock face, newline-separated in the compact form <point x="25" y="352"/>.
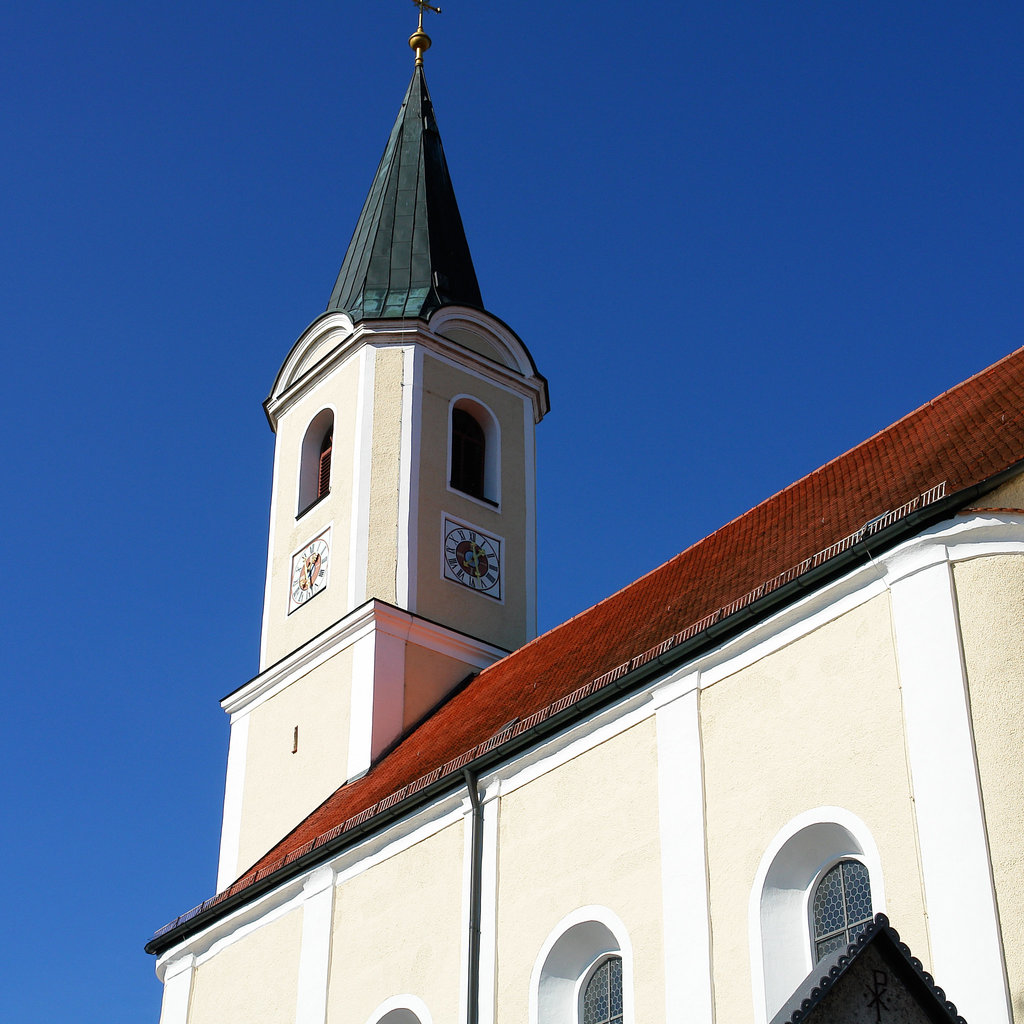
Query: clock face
<point x="472" y="558"/>
<point x="309" y="571"/>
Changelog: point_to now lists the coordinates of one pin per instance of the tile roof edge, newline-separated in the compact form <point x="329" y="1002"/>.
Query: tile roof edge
<point x="517" y="726"/>
<point x="764" y="501"/>
<point x="244" y="882"/>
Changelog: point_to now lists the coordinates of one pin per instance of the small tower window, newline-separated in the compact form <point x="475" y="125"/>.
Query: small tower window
<point x="469" y="451"/>
<point x="841" y="908"/>
<point x="474" y="445"/>
<point x="315" y="460"/>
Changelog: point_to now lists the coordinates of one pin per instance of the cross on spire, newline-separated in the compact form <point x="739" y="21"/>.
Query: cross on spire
<point x="419" y="40"/>
<point x="430" y="7"/>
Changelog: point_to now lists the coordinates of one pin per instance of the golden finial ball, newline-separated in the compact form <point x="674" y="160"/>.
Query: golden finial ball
<point x="419" y="41"/>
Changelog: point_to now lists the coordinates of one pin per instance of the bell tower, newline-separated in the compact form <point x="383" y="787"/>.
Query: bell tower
<point x="402" y="549"/>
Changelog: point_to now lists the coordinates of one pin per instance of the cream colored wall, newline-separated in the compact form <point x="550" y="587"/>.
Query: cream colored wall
<point x="441" y="599"/>
<point x="583" y="834"/>
<point x="818" y="723"/>
<point x="385" y="465"/>
<point x="1008" y="495"/>
<point x="990" y="596"/>
<point x="286" y="632"/>
<point x="252" y="981"/>
<point x="390" y="937"/>
<point x="280" y="787"/>
<point x="428" y="677"/>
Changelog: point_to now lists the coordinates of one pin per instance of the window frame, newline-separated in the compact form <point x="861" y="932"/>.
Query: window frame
<point x="488" y="423"/>
<point x="588" y="976"/>
<point x="308" y="470"/>
<point x="812" y="892"/>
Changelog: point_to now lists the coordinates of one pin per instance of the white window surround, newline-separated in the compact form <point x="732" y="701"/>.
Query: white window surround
<point x="781" y="947"/>
<point x="575" y="946"/>
<point x="488" y="422"/>
<point x="309" y="459"/>
<point x="403" y="1009"/>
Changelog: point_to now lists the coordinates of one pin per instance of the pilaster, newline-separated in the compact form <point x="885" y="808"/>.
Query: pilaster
<point x="234" y="786"/>
<point x="684" y="884"/>
<point x="178" y="975"/>
<point x="315" y="954"/>
<point x="962" y="923"/>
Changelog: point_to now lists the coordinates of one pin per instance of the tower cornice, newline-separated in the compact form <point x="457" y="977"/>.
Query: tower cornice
<point x="332" y="339"/>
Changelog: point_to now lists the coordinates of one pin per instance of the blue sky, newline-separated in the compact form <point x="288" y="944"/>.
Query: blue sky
<point x="738" y="238"/>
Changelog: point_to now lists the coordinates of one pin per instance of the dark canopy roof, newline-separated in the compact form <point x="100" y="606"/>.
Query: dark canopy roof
<point x="875" y="978"/>
<point x="408" y="255"/>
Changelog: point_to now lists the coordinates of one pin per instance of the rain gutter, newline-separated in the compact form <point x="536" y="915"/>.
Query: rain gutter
<point x="500" y="751"/>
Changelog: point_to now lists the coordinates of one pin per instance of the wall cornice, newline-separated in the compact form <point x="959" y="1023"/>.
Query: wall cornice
<point x="372" y="616"/>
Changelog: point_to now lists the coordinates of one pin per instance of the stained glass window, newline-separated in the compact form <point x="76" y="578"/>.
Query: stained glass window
<point x="841" y="909"/>
<point x="602" y="996"/>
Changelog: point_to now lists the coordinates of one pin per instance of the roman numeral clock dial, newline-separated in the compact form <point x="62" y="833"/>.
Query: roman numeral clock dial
<point x="310" y="566"/>
<point x="472" y="558"/>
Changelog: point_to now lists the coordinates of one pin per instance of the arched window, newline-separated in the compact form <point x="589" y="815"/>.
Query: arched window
<point x="583" y="973"/>
<point x="405" y="1009"/>
<point x="841" y="908"/>
<point x="469" y="451"/>
<point x="817" y="886"/>
<point x="473" y="453"/>
<point x="315" y="460"/>
<point x="601" y="1001"/>
<point x="399" y="1016"/>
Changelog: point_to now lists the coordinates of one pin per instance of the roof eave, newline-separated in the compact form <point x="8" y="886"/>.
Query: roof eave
<point x="632" y="680"/>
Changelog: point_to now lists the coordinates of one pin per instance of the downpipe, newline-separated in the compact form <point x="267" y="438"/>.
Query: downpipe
<point x="475" y="869"/>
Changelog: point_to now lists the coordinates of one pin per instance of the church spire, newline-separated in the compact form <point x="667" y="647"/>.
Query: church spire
<point x="408" y="255"/>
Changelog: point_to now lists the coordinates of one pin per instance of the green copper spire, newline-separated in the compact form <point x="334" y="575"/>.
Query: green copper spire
<point x="408" y="255"/>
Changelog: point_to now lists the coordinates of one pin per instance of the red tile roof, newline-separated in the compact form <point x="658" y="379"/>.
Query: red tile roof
<point x="962" y="438"/>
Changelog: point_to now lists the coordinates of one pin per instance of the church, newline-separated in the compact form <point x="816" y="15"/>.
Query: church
<point x="691" y="802"/>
